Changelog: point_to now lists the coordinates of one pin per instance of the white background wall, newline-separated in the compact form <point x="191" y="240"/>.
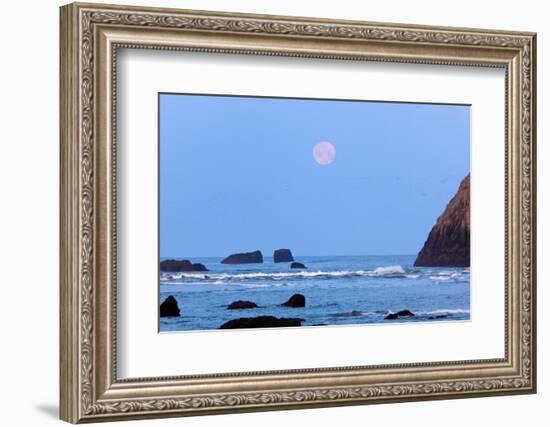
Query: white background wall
<point x="29" y="171"/>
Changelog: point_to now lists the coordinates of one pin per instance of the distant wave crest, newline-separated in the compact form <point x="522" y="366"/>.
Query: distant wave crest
<point x="386" y="271"/>
<point x="446" y="276"/>
<point x="391" y="269"/>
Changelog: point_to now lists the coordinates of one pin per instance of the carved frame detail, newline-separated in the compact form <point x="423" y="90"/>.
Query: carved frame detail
<point x="81" y="399"/>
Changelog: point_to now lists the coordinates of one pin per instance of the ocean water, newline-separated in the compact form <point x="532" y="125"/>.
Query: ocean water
<point x="339" y="290"/>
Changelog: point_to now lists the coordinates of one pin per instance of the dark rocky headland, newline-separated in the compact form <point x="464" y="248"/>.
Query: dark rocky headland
<point x="448" y="244"/>
<point x="282" y="255"/>
<point x="255" y="257"/>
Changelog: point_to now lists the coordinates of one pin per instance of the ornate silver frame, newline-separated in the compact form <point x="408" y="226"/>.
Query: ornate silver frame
<point x="90" y="36"/>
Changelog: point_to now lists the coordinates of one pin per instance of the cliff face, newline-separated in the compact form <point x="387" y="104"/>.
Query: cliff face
<point x="448" y="244"/>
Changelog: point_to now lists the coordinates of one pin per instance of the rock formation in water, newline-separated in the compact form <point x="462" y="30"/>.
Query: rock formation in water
<point x="175" y="266"/>
<point x="261" y="322"/>
<point x="297" y="265"/>
<point x="397" y="315"/>
<point x="241" y="305"/>
<point x="169" y="308"/>
<point x="199" y="267"/>
<point x="255" y="257"/>
<point x="282" y="255"/>
<point x="352" y="313"/>
<point x="296" y="300"/>
<point x="448" y="244"/>
<point x="178" y="266"/>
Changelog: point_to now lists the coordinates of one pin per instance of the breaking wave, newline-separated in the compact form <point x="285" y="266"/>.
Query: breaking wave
<point x="453" y="276"/>
<point x="388" y="271"/>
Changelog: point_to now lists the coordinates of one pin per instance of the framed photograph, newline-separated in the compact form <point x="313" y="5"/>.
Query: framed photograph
<point x="267" y="212"/>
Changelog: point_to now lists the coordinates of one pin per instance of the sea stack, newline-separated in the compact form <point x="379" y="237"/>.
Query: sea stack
<point x="178" y="266"/>
<point x="174" y="265"/>
<point x="199" y="267"/>
<point x="282" y="255"/>
<point x="448" y="244"/>
<point x="255" y="257"/>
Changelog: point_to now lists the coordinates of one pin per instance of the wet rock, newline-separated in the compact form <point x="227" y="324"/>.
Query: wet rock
<point x="353" y="313"/>
<point x="255" y="257"/>
<point x="199" y="267"/>
<point x="283" y="255"/>
<point x="241" y="305"/>
<point x="297" y="265"/>
<point x="169" y="308"/>
<point x="439" y="316"/>
<point x="261" y="322"/>
<point x="405" y="313"/>
<point x="397" y="315"/>
<point x="296" y="300"/>
<point x="176" y="266"/>
<point x="179" y="266"/>
<point x="448" y="244"/>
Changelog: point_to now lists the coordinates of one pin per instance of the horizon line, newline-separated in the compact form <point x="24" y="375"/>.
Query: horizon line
<point x="294" y="255"/>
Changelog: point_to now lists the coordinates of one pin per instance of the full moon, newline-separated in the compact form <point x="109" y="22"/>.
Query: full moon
<point x="324" y="153"/>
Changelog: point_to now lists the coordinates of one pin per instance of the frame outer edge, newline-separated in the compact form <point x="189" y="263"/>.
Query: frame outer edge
<point x="533" y="112"/>
<point x="68" y="227"/>
<point x="77" y="339"/>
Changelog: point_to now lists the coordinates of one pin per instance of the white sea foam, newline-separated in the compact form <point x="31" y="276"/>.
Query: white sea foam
<point x="389" y="271"/>
<point x="440" y="278"/>
<point x="446" y="276"/>
<point x="449" y="311"/>
<point x="253" y="285"/>
<point x="443" y="311"/>
<point x="226" y="283"/>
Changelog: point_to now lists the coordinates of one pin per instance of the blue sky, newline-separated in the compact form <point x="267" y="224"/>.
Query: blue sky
<point x="237" y="174"/>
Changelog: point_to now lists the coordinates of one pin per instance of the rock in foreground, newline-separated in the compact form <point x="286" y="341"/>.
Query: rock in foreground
<point x="448" y="244"/>
<point x="283" y="255"/>
<point x="261" y="322"/>
<point x="169" y="308"/>
<point x="255" y="257"/>
<point x="240" y="305"/>
<point x="179" y="266"/>
<point x="296" y="300"/>
<point x="353" y="313"/>
<point x="439" y="316"/>
<point x="397" y="315"/>
<point x="297" y="265"/>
